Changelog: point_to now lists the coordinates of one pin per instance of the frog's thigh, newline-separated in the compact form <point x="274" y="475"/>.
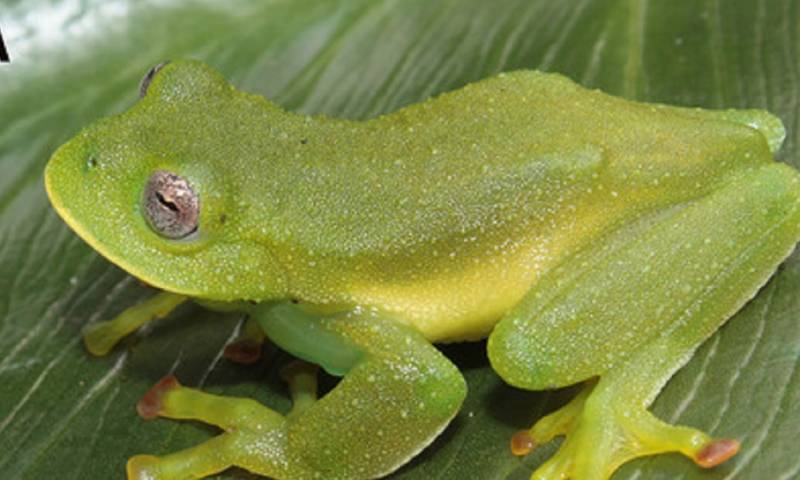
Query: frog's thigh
<point x="633" y="310"/>
<point x="696" y="263"/>
<point x="397" y="394"/>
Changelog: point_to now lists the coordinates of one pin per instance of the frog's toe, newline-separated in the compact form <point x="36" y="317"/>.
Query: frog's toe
<point x="302" y="379"/>
<point x="206" y="459"/>
<point x="557" y="468"/>
<point x="560" y="422"/>
<point x="142" y="467"/>
<point x="716" y="452"/>
<point x="522" y="443"/>
<point x="152" y="403"/>
<point x="244" y="351"/>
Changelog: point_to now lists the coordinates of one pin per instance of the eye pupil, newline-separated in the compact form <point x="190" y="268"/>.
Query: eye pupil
<point x="170" y="205"/>
<point x="165" y="202"/>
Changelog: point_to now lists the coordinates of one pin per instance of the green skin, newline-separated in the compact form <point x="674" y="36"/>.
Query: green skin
<point x="586" y="235"/>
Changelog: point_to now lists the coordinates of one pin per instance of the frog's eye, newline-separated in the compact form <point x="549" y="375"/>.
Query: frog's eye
<point x="149" y="78"/>
<point x="171" y="205"/>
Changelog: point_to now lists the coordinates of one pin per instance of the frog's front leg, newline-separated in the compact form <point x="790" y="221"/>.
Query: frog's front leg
<point x="397" y="394"/>
<point x="632" y="310"/>
<point x="101" y="337"/>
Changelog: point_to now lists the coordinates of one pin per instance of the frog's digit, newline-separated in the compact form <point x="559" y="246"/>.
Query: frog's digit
<point x="246" y="349"/>
<point x="241" y="418"/>
<point x="558" y="423"/>
<point x="641" y="277"/>
<point x="302" y="379"/>
<point x="397" y="394"/>
<point x="101" y="337"/>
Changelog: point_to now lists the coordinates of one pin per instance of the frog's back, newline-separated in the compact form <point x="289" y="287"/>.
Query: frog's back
<point x="446" y="211"/>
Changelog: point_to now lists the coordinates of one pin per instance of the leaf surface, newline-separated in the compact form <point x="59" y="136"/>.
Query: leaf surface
<point x="66" y="415"/>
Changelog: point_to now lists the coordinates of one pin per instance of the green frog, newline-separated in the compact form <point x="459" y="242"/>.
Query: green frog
<point x="590" y="238"/>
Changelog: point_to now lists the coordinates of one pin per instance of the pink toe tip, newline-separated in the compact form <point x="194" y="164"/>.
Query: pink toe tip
<point x="150" y="404"/>
<point x="522" y="443"/>
<point x="717" y="452"/>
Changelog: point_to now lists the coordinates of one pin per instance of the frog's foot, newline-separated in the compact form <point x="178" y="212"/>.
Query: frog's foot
<point x="600" y="437"/>
<point x="101" y="337"/>
<point x="246" y="349"/>
<point x="253" y="434"/>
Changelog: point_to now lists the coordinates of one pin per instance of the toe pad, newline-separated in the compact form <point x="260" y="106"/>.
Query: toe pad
<point x="141" y="467"/>
<point x="245" y="352"/>
<point x="716" y="452"/>
<point x="150" y="404"/>
<point x="522" y="443"/>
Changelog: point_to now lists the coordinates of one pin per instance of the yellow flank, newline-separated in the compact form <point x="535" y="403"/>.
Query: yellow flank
<point x="466" y="303"/>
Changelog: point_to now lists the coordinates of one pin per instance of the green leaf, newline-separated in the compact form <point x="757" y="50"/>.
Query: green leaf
<point x="66" y="415"/>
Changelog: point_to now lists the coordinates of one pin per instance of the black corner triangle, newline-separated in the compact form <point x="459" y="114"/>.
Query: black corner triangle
<point x="3" y="52"/>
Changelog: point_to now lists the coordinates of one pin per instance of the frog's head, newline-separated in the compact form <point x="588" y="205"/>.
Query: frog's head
<point x="154" y="189"/>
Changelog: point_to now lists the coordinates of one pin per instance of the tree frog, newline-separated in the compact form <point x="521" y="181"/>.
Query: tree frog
<point x="590" y="238"/>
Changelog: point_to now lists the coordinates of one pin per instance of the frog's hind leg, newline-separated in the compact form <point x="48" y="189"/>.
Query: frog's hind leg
<point x="101" y="337"/>
<point x="397" y="394"/>
<point x="632" y="310"/>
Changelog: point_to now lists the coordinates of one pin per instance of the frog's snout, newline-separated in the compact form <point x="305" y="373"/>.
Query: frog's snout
<point x="65" y="177"/>
<point x="57" y="173"/>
